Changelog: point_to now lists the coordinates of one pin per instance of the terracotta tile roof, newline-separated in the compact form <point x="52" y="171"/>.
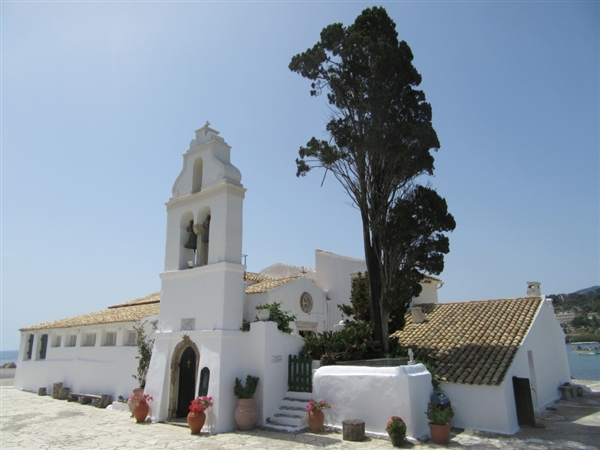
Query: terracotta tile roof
<point x="131" y="313"/>
<point x="268" y="284"/>
<point x="152" y="298"/>
<point x="255" y="277"/>
<point x="471" y="342"/>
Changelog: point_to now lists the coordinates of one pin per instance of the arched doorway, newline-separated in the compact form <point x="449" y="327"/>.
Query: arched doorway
<point x="187" y="381"/>
<point x="183" y="377"/>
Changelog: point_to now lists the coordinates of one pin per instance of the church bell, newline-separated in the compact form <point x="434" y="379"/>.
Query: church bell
<point x="192" y="239"/>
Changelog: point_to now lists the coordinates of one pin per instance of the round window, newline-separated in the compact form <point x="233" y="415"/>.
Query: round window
<point x="306" y="303"/>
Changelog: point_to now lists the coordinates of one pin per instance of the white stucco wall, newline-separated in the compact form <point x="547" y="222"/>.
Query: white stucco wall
<point x="262" y="352"/>
<point x="542" y="358"/>
<point x="333" y="275"/>
<point x="429" y="294"/>
<point x="484" y="408"/>
<point x="212" y="295"/>
<point x="289" y="295"/>
<point x="374" y="394"/>
<point x="91" y="370"/>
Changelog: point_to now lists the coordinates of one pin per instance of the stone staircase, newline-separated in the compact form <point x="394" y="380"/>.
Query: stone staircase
<point x="291" y="416"/>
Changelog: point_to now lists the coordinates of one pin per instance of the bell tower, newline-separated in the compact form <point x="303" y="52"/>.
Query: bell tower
<point x="203" y="285"/>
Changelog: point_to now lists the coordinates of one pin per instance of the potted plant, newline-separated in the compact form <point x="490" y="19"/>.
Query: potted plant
<point x="439" y="422"/>
<point x="262" y="312"/>
<point x="246" y="413"/>
<point x="142" y="408"/>
<point x="196" y="417"/>
<point x="314" y="414"/>
<point x="396" y="429"/>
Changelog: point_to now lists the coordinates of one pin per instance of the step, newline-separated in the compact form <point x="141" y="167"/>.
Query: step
<point x="289" y="419"/>
<point x="300" y="395"/>
<point x="277" y="426"/>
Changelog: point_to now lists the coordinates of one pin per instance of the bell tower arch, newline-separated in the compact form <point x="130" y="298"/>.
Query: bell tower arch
<point x="202" y="284"/>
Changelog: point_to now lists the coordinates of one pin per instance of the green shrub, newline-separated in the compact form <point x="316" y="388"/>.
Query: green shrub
<point x="397" y="431"/>
<point x="351" y="343"/>
<point x="144" y="346"/>
<point x="248" y="391"/>
<point x="282" y="318"/>
<point x="437" y="415"/>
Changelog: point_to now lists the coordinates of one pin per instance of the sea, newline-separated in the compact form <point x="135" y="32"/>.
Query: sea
<point x="583" y="367"/>
<point x="8" y="356"/>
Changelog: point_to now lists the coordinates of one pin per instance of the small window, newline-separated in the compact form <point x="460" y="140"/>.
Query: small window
<point x="29" y="353"/>
<point x="57" y="341"/>
<point x="204" y="378"/>
<point x="72" y="341"/>
<point x="131" y="340"/>
<point x="89" y="340"/>
<point x="110" y="340"/>
<point x="43" y="346"/>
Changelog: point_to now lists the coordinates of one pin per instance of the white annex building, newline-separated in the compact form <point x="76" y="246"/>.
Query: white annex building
<point x="206" y="293"/>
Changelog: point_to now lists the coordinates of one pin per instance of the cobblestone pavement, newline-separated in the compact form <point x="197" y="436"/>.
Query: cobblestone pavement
<point x="28" y="421"/>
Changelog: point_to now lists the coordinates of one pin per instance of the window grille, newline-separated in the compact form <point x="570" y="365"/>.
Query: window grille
<point x="57" y="341"/>
<point x="43" y="346"/>
<point x="89" y="340"/>
<point x="72" y="341"/>
<point x="111" y="339"/>
<point x="29" y="347"/>
<point x="131" y="339"/>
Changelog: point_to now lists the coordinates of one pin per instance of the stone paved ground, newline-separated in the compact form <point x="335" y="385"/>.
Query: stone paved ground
<point x="28" y="421"/>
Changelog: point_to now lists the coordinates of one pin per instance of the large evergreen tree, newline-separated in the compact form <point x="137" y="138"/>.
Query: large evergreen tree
<point x="381" y="142"/>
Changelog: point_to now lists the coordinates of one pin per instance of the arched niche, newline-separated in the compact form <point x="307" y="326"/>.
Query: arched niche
<point x="185" y="254"/>
<point x="202" y="229"/>
<point x="185" y="343"/>
<point x="197" y="175"/>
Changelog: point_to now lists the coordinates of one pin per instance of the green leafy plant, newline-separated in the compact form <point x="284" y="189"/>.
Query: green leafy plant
<point x="144" y="346"/>
<point x="247" y="391"/>
<point x="430" y="365"/>
<point x="438" y="415"/>
<point x="397" y="431"/>
<point x="282" y="318"/>
<point x="351" y="343"/>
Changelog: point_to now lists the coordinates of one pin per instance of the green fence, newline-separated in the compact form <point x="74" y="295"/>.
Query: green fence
<point x="300" y="373"/>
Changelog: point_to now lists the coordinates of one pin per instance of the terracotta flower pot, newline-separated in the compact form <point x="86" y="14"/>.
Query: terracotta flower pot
<point x="246" y="414"/>
<point x="396" y="442"/>
<point x="141" y="411"/>
<point x="137" y="394"/>
<point x="196" y="421"/>
<point x="440" y="434"/>
<point x="315" y="418"/>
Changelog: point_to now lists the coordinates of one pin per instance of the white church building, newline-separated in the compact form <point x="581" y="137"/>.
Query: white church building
<point x="206" y="294"/>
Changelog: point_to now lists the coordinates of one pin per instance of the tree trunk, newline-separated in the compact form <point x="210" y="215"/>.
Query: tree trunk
<point x="385" y="339"/>
<point x="373" y="271"/>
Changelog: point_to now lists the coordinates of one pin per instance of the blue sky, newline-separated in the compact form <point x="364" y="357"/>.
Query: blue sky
<point x="100" y="100"/>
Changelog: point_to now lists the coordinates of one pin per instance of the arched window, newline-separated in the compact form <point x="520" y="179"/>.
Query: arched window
<point x="186" y="254"/>
<point x="204" y="378"/>
<point x="197" y="177"/>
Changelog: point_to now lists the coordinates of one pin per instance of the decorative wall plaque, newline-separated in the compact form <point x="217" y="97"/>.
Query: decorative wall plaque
<point x="188" y="324"/>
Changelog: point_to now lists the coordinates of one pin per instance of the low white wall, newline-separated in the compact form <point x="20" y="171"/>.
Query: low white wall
<point x="483" y="408"/>
<point x="374" y="394"/>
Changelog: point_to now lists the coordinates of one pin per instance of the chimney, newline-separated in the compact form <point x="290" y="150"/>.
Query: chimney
<point x="533" y="289"/>
<point x="417" y="315"/>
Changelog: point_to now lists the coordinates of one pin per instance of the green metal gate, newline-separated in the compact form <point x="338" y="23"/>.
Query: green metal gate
<point x="300" y="373"/>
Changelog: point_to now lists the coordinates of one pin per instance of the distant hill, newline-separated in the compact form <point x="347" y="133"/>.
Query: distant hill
<point x="586" y="290"/>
